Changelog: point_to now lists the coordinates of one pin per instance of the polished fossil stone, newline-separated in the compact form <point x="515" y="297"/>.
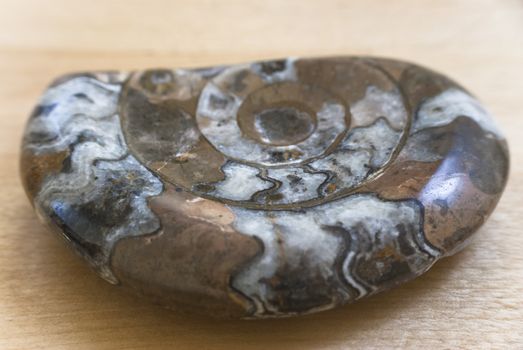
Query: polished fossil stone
<point x="265" y="189"/>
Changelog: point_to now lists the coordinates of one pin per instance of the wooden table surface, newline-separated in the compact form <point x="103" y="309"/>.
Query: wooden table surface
<point x="50" y="299"/>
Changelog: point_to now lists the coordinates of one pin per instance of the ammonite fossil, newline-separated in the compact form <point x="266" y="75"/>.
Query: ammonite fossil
<point x="265" y="189"/>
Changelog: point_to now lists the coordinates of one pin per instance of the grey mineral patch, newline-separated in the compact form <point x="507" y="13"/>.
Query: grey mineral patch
<point x="449" y="105"/>
<point x="364" y="221"/>
<point x="100" y="195"/>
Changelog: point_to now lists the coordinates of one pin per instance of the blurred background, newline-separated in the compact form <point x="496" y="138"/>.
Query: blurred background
<point x="50" y="299"/>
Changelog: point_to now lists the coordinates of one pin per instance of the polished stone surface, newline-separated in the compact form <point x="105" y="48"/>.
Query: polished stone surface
<point x="266" y="189"/>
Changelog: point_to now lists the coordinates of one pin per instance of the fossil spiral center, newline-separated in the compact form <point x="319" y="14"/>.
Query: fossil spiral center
<point x="283" y="125"/>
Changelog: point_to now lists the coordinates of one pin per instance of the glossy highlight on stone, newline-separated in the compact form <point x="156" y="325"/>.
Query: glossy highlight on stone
<point x="266" y="189"/>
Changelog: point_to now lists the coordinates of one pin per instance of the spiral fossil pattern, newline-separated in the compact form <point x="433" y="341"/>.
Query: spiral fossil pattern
<point x="266" y="189"/>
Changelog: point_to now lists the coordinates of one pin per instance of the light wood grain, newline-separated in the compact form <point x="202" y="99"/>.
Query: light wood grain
<point x="50" y="299"/>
